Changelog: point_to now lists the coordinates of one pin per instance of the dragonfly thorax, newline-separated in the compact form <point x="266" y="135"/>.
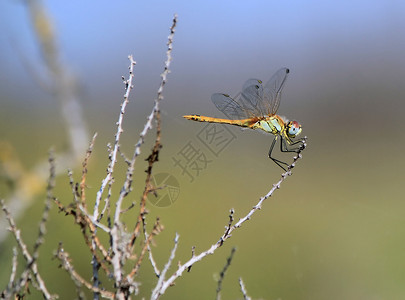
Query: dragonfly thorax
<point x="273" y="124"/>
<point x="278" y="125"/>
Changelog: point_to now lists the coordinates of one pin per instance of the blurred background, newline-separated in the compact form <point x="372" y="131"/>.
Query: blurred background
<point x="336" y="228"/>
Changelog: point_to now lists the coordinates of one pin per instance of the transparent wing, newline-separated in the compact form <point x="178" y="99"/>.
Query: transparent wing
<point x="228" y="106"/>
<point x="252" y="97"/>
<point x="254" y="100"/>
<point x="273" y="88"/>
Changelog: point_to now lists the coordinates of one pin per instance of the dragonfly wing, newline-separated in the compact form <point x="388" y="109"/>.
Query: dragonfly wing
<point x="273" y="89"/>
<point x="228" y="106"/>
<point x="254" y="100"/>
<point x="251" y="98"/>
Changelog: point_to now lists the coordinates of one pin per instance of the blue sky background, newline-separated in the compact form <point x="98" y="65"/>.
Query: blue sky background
<point x="218" y="44"/>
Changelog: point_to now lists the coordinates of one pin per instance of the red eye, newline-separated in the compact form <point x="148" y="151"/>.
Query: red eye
<point x="295" y="124"/>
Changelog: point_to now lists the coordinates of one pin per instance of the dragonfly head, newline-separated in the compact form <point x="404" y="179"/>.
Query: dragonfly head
<point x="293" y="129"/>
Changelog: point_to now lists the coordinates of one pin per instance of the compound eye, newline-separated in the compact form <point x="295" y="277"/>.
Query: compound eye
<point x="294" y="129"/>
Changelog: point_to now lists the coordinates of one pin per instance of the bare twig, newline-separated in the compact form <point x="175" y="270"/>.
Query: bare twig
<point x="153" y="262"/>
<point x="95" y="262"/>
<point x="113" y="156"/>
<point x="82" y="218"/>
<point x="84" y="171"/>
<point x="243" y="289"/>
<point x="94" y="221"/>
<point x="151" y="259"/>
<point x="31" y="259"/>
<point x="154" y="156"/>
<point x="146" y="247"/>
<point x="48" y="203"/>
<point x="77" y="279"/>
<point x="31" y="264"/>
<point x="128" y="208"/>
<point x="127" y="161"/>
<point x="156" y="109"/>
<point x="229" y="229"/>
<point x="157" y="291"/>
<point x="222" y="274"/>
<point x="121" y="245"/>
<point x="192" y="255"/>
<point x="11" y="286"/>
<point x="116" y="230"/>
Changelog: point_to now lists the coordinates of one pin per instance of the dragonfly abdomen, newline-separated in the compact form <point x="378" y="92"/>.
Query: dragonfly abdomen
<point x="243" y="122"/>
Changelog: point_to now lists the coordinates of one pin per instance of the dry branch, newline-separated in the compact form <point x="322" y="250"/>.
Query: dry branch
<point x="31" y="269"/>
<point x="223" y="272"/>
<point x="164" y="284"/>
<point x="243" y="289"/>
<point x="155" y="114"/>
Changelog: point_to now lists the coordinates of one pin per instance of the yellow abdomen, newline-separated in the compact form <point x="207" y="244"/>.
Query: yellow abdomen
<point x="243" y="122"/>
<point x="274" y="124"/>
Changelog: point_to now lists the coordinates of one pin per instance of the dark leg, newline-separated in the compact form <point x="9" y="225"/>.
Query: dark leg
<point x="293" y="149"/>
<point x="278" y="162"/>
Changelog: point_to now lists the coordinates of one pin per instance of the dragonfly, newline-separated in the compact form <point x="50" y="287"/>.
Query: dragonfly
<point x="255" y="107"/>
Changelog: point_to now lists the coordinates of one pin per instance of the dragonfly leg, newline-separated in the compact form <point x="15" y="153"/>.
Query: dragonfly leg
<point x="293" y="149"/>
<point x="278" y="162"/>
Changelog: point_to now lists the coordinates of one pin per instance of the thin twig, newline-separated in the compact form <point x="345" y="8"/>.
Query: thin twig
<point x="116" y="230"/>
<point x="94" y="221"/>
<point x="157" y="291"/>
<point x="192" y="255"/>
<point x="27" y="256"/>
<point x="222" y="274"/>
<point x="113" y="158"/>
<point x="31" y="259"/>
<point x="84" y="171"/>
<point x="243" y="289"/>
<point x="151" y="259"/>
<point x="82" y="218"/>
<point x="157" y="228"/>
<point x="154" y="156"/>
<point x="127" y="161"/>
<point x="95" y="262"/>
<point x="153" y="262"/>
<point x="228" y="228"/>
<point x="85" y="222"/>
<point x="128" y="208"/>
<point x="48" y="203"/>
<point x="77" y="279"/>
<point x="11" y="286"/>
